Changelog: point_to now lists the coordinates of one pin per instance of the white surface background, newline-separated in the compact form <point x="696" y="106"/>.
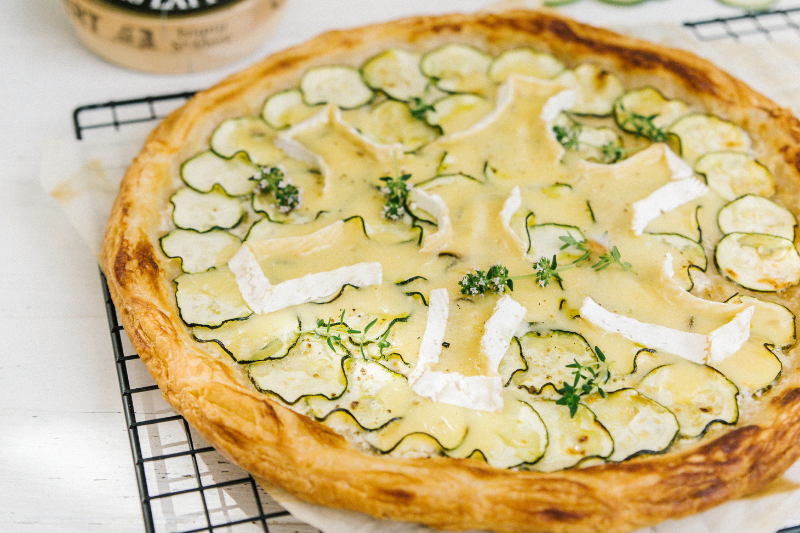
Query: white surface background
<point x="65" y="461"/>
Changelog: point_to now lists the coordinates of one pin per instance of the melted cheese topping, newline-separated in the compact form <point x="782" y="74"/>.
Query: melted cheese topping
<point x="501" y="191"/>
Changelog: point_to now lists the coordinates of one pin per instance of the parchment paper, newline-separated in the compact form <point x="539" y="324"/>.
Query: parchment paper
<point x="83" y="177"/>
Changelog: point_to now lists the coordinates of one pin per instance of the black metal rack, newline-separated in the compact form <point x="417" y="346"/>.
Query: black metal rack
<point x="185" y="485"/>
<point x="756" y="25"/>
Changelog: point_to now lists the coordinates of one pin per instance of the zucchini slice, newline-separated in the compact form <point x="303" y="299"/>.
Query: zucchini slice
<point x="735" y="174"/>
<point x="286" y="108"/>
<point x="570" y="439"/>
<point x="545" y="241"/>
<point x="202" y="212"/>
<point x="758" y="262"/>
<point x="207" y="169"/>
<point x="756" y="214"/>
<point x="200" y="251"/>
<point x="596" y="89"/>
<point x="773" y="323"/>
<point x="512" y="362"/>
<point x="637" y="424"/>
<point x="391" y="122"/>
<point x="752" y="368"/>
<point x="396" y="72"/>
<point x="246" y="134"/>
<point x="457" y="68"/>
<point x="524" y="62"/>
<point x="335" y="84"/>
<point x="647" y="113"/>
<point x="702" y="134"/>
<point x="547" y="355"/>
<point x="210" y="298"/>
<point x="698" y="395"/>
<point x="374" y="396"/>
<point x="458" y="112"/>
<point x="689" y="254"/>
<point x="311" y="368"/>
<point x="260" y="337"/>
<point x="442" y="423"/>
<point x="513" y="437"/>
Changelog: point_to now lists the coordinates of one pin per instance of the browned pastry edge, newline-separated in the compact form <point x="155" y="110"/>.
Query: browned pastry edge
<point x="319" y="466"/>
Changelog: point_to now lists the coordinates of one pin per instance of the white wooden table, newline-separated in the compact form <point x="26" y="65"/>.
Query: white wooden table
<point x="65" y="459"/>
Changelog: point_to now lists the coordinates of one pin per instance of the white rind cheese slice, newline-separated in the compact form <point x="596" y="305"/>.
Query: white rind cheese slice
<point x="728" y="339"/>
<point x="484" y="393"/>
<point x="498" y="331"/>
<point x="263" y="297"/>
<point x="431" y="346"/>
<point x="664" y="199"/>
<point x="696" y="347"/>
<point x="287" y="143"/>
<point x="510" y="206"/>
<point x="252" y="282"/>
<point x="436" y="206"/>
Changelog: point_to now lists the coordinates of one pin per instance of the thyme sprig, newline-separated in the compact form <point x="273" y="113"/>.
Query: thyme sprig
<point x="496" y="279"/>
<point x="333" y="331"/>
<point x="569" y="138"/>
<point x="273" y="180"/>
<point x="643" y="126"/>
<point x="612" y="258"/>
<point x="396" y="191"/>
<point x="586" y="381"/>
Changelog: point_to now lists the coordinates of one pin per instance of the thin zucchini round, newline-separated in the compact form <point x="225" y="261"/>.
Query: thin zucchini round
<point x="758" y="262"/>
<point x="570" y="439"/>
<point x="396" y="72"/>
<point x="636" y="423"/>
<point x="199" y="251"/>
<point x="756" y="214"/>
<point x="210" y="298"/>
<point x="546" y="357"/>
<point x="246" y="134"/>
<point x="458" y="112"/>
<point x="702" y="134"/>
<point x="258" y="338"/>
<point x="698" y="395"/>
<point x="207" y="169"/>
<point x="285" y="109"/>
<point x="596" y="89"/>
<point x="311" y="368"/>
<point x="524" y="62"/>
<point x="391" y="122"/>
<point x="457" y="68"/>
<point x="514" y="437"/>
<point x="735" y="174"/>
<point x="335" y="84"/>
<point x="374" y="396"/>
<point x="202" y="212"/>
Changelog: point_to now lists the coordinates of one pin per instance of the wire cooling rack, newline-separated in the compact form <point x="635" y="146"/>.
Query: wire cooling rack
<point x="185" y="485"/>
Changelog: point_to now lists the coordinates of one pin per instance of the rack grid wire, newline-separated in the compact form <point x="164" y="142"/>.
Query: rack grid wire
<point x="185" y="485"/>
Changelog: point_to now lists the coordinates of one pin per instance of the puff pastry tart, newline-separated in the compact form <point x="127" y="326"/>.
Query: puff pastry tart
<point x="495" y="271"/>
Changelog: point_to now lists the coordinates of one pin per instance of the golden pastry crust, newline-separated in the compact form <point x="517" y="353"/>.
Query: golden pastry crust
<point x="316" y="464"/>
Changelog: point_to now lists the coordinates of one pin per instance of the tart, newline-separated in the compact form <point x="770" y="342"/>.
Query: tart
<point x="495" y="271"/>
